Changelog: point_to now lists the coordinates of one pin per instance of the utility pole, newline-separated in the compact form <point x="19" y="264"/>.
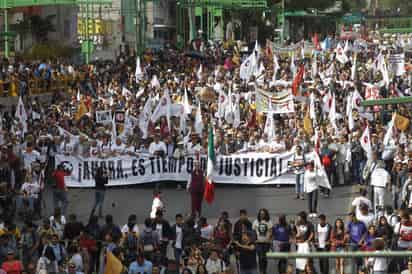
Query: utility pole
<point x="6" y="30"/>
<point x="87" y="33"/>
<point x="136" y="34"/>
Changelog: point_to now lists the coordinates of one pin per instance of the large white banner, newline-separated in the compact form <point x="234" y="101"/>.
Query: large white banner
<point x="397" y="63"/>
<point x="246" y="168"/>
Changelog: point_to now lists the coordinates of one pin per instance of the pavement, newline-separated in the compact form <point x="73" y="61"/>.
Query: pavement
<point x="121" y="202"/>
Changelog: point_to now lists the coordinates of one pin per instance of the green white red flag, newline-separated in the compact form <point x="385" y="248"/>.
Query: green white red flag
<point x="209" y="194"/>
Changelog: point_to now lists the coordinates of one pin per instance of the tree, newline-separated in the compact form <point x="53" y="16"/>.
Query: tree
<point x="301" y="4"/>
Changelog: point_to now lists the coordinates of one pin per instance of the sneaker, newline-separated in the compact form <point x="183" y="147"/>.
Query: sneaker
<point x="302" y="197"/>
<point x="297" y="197"/>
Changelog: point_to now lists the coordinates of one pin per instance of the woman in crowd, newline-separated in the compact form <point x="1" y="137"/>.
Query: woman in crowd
<point x="262" y="226"/>
<point x="281" y="234"/>
<point x="338" y="242"/>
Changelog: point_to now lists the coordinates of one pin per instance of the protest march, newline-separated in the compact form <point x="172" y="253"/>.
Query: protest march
<point x="314" y="116"/>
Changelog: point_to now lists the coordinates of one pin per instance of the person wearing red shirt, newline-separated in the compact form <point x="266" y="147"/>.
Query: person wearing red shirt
<point x="11" y="265"/>
<point x="60" y="189"/>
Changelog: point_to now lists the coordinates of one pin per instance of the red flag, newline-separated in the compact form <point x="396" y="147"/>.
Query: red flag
<point x="298" y="79"/>
<point x="315" y="41"/>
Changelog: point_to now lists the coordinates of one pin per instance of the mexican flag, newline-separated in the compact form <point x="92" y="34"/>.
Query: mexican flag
<point x="209" y="194"/>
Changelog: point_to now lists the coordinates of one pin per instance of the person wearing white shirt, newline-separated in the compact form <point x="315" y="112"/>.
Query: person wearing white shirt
<point x="130" y="227"/>
<point x="364" y="215"/>
<point x="157" y="147"/>
<point x="214" y="264"/>
<point x="30" y="156"/>
<point x="379" y="265"/>
<point x="118" y="148"/>
<point x="206" y="230"/>
<point x="362" y="199"/>
<point x="157" y="204"/>
<point x="310" y="187"/>
<point x="29" y="192"/>
<point x="277" y="146"/>
<point x="380" y="178"/>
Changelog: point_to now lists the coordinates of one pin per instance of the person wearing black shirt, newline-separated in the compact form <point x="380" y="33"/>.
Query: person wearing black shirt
<point x="73" y="228"/>
<point x="247" y="254"/>
<point x="242" y="225"/>
<point x="101" y="179"/>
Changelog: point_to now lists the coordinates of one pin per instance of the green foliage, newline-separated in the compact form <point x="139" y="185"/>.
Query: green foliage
<point x="50" y="50"/>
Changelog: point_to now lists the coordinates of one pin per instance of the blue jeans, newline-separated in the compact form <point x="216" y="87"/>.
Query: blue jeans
<point x="99" y="200"/>
<point x="299" y="183"/>
<point x="357" y="167"/>
<point x="60" y="196"/>
<point x="20" y="202"/>
<point x="178" y="255"/>
<point x="356" y="262"/>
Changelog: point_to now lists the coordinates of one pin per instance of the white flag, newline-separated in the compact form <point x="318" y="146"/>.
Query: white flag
<point x="275" y="67"/>
<point x="248" y="67"/>
<point x="186" y="105"/>
<point x="114" y="131"/>
<point x="199" y="121"/>
<point x="383" y="68"/>
<point x="322" y="177"/>
<point x="312" y="111"/>
<point x="78" y="95"/>
<point x="199" y="72"/>
<point x="21" y="115"/>
<point x="388" y="139"/>
<point x="154" y="83"/>
<point x="125" y="92"/>
<point x="221" y="105"/>
<point x="236" y="111"/>
<point x="270" y="129"/>
<point x="357" y="100"/>
<point x="365" y="142"/>
<point x="353" y="69"/>
<point x="292" y="65"/>
<point x="138" y="73"/>
<point x="349" y="113"/>
<point x="341" y="55"/>
<point x="229" y="109"/>
<point x="332" y="113"/>
<point x="346" y="48"/>
<point x="144" y="117"/>
<point x="314" y="67"/>
<point x="164" y="108"/>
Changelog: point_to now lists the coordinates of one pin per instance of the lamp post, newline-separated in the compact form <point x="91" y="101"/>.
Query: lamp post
<point x="6" y="30"/>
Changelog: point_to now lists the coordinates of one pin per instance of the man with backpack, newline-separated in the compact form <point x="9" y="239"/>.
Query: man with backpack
<point x="148" y="240"/>
<point x="130" y="236"/>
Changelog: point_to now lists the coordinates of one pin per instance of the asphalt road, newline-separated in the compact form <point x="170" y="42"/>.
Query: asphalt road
<point x="121" y="202"/>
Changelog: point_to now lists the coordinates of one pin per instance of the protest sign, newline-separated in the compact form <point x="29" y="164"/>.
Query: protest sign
<point x="246" y="168"/>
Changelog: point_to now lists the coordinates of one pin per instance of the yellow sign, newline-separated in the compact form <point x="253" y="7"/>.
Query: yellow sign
<point x="90" y="26"/>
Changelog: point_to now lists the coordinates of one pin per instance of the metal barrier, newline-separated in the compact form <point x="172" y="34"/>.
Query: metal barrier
<point x="353" y="254"/>
<point x="37" y="86"/>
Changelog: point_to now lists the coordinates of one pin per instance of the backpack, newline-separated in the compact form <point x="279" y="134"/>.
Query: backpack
<point x="147" y="241"/>
<point x="131" y="241"/>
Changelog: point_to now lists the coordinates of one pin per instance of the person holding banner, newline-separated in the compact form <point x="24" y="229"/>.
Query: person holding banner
<point x="298" y="165"/>
<point x="101" y="180"/>
<point x="310" y="186"/>
<point x="196" y="187"/>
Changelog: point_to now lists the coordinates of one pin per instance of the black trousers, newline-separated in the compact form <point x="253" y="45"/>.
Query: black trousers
<point x="323" y="262"/>
<point x="313" y="201"/>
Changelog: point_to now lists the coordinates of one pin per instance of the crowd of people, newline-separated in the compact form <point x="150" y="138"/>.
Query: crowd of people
<point x="207" y="85"/>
